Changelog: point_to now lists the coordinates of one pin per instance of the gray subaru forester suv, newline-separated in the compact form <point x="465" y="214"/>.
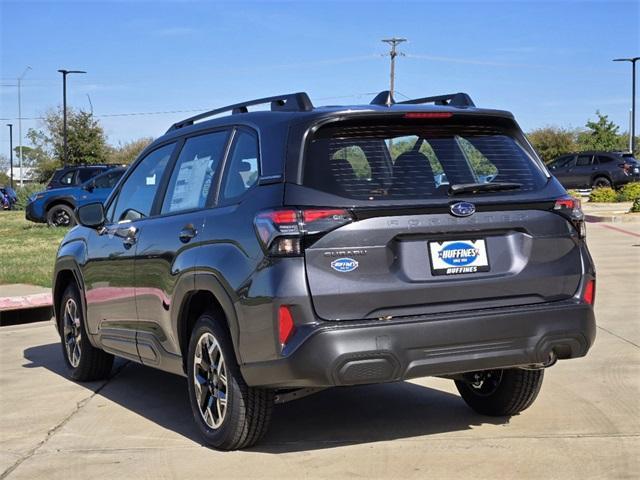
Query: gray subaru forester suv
<point x="266" y="255"/>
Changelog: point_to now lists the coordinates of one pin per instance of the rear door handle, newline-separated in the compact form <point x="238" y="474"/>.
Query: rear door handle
<point x="187" y="233"/>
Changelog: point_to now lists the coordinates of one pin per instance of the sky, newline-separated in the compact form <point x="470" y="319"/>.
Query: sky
<point x="547" y="62"/>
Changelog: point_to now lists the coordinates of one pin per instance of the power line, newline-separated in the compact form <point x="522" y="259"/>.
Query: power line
<point x="167" y="112"/>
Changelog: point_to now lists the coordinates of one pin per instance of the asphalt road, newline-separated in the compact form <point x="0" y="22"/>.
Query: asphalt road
<point x="585" y="423"/>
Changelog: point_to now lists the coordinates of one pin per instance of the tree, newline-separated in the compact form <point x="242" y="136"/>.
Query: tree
<point x="86" y="141"/>
<point x="4" y="168"/>
<point x="551" y="142"/>
<point x="601" y="135"/>
<point x="127" y="152"/>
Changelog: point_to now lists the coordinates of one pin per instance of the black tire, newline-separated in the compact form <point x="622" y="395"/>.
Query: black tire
<point x="248" y="410"/>
<point x="601" y="182"/>
<point x="500" y="392"/>
<point x="61" y="216"/>
<point x="90" y="363"/>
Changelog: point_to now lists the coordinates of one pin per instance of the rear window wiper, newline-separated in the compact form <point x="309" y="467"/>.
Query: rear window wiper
<point x="482" y="187"/>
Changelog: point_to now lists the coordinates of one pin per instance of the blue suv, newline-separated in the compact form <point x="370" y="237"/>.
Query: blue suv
<point x="56" y="206"/>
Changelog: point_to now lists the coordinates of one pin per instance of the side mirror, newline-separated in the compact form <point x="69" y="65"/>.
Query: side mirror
<point x="91" y="215"/>
<point x="90" y="186"/>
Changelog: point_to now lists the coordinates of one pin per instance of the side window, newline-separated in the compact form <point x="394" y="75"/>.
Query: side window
<point x="583" y="160"/>
<point x="135" y="198"/>
<point x="195" y="170"/>
<point x="242" y="167"/>
<point x="569" y="162"/>
<point x="108" y="180"/>
<point x="67" y="178"/>
<point x="602" y="159"/>
<point x="85" y="174"/>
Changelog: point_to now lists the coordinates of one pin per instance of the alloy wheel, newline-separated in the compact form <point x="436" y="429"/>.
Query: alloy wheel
<point x="61" y="218"/>
<point x="72" y="332"/>
<point x="485" y="383"/>
<point x="210" y="380"/>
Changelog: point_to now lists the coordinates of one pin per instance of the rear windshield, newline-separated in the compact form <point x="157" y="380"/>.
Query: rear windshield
<point x="415" y="161"/>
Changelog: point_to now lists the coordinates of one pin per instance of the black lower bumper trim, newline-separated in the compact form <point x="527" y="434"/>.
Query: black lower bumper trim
<point x="379" y="351"/>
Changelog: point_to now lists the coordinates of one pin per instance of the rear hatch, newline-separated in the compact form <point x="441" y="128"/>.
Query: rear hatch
<point x="450" y="213"/>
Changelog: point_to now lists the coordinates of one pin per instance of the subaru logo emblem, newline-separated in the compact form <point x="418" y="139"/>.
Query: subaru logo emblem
<point x="462" y="209"/>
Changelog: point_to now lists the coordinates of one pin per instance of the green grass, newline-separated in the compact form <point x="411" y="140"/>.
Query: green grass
<point x="27" y="250"/>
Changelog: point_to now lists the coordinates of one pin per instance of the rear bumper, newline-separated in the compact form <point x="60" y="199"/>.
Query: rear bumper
<point x="349" y="353"/>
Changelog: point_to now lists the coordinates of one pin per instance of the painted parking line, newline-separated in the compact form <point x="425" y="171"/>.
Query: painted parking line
<point x="621" y="230"/>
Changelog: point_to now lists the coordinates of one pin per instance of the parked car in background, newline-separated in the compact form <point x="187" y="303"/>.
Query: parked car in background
<point x="267" y="254"/>
<point x="595" y="169"/>
<point x="76" y="174"/>
<point x="56" y="206"/>
<point x="8" y="197"/>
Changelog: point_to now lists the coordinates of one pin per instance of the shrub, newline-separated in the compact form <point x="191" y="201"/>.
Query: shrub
<point x="630" y="192"/>
<point x="635" y="208"/>
<point x="603" y="195"/>
<point x="25" y="192"/>
<point x="574" y="193"/>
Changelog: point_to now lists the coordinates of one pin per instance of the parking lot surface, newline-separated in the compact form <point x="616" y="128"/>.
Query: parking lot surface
<point x="585" y="423"/>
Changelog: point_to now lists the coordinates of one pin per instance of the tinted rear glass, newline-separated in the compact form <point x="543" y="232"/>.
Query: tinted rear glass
<point x="415" y="161"/>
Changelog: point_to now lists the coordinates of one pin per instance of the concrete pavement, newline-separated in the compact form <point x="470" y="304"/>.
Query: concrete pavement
<point x="585" y="423"/>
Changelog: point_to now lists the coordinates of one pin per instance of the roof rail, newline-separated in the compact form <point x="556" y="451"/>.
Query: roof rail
<point x="291" y="102"/>
<point x="459" y="99"/>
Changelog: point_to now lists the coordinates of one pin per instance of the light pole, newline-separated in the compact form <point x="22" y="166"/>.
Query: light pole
<point x="633" y="61"/>
<point x="393" y="54"/>
<point x="20" y="119"/>
<point x="64" y="109"/>
<point x="10" y="125"/>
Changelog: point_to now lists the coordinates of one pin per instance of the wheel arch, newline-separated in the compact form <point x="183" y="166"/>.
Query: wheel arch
<point x="67" y="270"/>
<point x="69" y="202"/>
<point x="208" y="294"/>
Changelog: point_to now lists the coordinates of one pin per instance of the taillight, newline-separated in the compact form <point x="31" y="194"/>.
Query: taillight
<point x="626" y="167"/>
<point x="285" y="324"/>
<point x="589" y="294"/>
<point x="571" y="208"/>
<point x="283" y="232"/>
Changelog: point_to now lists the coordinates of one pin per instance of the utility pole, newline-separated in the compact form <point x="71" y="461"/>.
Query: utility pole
<point x="633" y="98"/>
<point x="10" y="125"/>
<point x="393" y="53"/>
<point x="64" y="110"/>
<point x="20" y="121"/>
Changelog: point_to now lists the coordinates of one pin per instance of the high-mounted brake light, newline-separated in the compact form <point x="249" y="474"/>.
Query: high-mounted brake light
<point x="589" y="294"/>
<point x="285" y="324"/>
<point x="281" y="232"/>
<point x="428" y="115"/>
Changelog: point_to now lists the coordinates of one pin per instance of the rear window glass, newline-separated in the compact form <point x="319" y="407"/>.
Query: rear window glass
<point x="372" y="162"/>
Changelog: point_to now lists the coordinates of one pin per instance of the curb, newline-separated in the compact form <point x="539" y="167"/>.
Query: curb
<point x="612" y="218"/>
<point x="20" y="302"/>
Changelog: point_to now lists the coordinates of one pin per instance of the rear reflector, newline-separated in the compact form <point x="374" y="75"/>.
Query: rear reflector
<point x="285" y="324"/>
<point x="428" y="115"/>
<point x="589" y="294"/>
